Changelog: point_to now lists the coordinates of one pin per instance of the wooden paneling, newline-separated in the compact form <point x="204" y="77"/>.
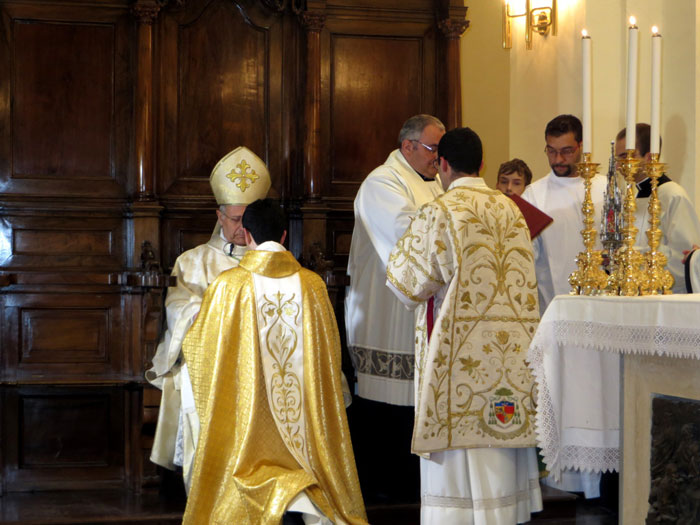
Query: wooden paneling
<point x="68" y="76"/>
<point x="60" y="241"/>
<point x="372" y="93"/>
<point x="61" y="438"/>
<point x="63" y="100"/>
<point x="48" y="336"/>
<point x="222" y="92"/>
<point x="64" y="337"/>
<point x="221" y="73"/>
<point x="375" y="75"/>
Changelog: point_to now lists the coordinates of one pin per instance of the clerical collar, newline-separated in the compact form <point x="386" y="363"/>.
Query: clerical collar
<point x="231" y="249"/>
<point x="426" y="179"/>
<point x="644" y="187"/>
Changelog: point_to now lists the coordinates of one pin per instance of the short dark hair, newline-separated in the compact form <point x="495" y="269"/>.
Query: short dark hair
<point x="516" y="166"/>
<point x="642" y="140"/>
<point x="563" y="124"/>
<point x="461" y="148"/>
<point x="264" y="220"/>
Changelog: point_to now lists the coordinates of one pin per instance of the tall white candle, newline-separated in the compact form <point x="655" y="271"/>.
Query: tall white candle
<point x="586" y="50"/>
<point x="655" y="90"/>
<point x="631" y="132"/>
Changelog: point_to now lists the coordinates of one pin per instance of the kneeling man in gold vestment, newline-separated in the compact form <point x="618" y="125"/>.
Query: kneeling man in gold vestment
<point x="264" y="360"/>
<point x="466" y="261"/>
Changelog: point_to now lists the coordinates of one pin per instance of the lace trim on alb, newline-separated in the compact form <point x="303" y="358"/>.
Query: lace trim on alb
<point x="480" y="504"/>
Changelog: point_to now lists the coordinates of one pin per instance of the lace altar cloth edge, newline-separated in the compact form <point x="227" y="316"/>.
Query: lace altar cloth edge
<point x="649" y="325"/>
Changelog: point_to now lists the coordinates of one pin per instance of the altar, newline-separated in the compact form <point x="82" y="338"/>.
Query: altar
<point x="599" y="362"/>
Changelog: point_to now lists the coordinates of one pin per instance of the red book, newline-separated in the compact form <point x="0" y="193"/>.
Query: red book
<point x="536" y="219"/>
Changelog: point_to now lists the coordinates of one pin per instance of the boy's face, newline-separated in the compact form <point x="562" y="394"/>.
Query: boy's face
<point x="510" y="183"/>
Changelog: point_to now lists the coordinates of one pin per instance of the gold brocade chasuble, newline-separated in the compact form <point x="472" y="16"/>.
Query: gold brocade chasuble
<point x="244" y="472"/>
<point x="471" y="250"/>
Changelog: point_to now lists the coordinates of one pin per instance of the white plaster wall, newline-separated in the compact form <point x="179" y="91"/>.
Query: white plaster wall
<point x="485" y="71"/>
<point x="510" y="95"/>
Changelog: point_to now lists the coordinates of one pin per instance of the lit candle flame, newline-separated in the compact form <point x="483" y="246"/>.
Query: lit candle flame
<point x="584" y="33"/>
<point x="655" y="30"/>
<point x="633" y="21"/>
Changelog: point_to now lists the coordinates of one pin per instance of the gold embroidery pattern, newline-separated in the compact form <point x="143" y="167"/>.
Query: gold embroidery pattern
<point x="475" y="384"/>
<point x="243" y="175"/>
<point x="281" y="314"/>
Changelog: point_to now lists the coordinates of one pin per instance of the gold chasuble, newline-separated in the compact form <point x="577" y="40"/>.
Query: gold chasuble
<point x="264" y="360"/>
<point x="470" y="250"/>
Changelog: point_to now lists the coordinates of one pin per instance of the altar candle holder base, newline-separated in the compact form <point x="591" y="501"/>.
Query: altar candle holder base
<point x="589" y="277"/>
<point x="660" y="280"/>
<point x="629" y="278"/>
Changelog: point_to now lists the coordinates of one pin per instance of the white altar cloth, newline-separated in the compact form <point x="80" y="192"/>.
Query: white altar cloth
<point x="575" y="358"/>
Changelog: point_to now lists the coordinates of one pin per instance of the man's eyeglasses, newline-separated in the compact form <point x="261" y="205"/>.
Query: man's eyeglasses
<point x="564" y="152"/>
<point x="431" y="149"/>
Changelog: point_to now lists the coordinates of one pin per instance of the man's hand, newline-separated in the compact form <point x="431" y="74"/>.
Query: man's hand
<point x="686" y="253"/>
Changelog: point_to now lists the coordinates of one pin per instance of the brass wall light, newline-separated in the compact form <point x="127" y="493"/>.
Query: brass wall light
<point x="539" y="19"/>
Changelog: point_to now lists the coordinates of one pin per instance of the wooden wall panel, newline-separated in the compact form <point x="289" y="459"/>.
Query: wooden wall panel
<point x="375" y="75"/>
<point x="49" y="336"/>
<point x="64" y="337"/>
<point x="63" y="100"/>
<point x="373" y="92"/>
<point x="63" y="438"/>
<point x="221" y="75"/>
<point x="68" y="79"/>
<point x="60" y="241"/>
<point x="222" y="91"/>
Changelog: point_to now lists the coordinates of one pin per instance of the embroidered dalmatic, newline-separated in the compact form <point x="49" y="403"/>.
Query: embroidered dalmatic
<point x="467" y="256"/>
<point x="470" y="248"/>
<point x="264" y="361"/>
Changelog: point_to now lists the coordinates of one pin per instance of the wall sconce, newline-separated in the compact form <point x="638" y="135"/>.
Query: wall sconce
<point x="538" y="19"/>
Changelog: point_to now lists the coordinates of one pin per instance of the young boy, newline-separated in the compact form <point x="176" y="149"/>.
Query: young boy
<point x="513" y="176"/>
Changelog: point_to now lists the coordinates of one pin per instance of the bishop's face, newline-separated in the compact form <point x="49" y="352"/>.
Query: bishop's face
<point x="231" y="223"/>
<point x="563" y="153"/>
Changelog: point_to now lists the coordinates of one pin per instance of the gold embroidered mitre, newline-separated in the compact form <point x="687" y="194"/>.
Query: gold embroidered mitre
<point x="240" y="178"/>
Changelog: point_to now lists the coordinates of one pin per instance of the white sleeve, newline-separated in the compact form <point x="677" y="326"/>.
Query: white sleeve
<point x="681" y="230"/>
<point x="385" y="209"/>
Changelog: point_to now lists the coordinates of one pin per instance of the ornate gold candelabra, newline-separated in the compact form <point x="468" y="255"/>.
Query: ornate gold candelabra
<point x="628" y="277"/>
<point x="659" y="278"/>
<point x="589" y="277"/>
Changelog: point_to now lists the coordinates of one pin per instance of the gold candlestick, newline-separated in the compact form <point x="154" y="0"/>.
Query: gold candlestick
<point x="589" y="278"/>
<point x="660" y="279"/>
<point x="628" y="277"/>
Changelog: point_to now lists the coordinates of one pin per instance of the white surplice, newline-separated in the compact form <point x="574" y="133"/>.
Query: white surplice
<point x="195" y="269"/>
<point x="678" y="222"/>
<point x="379" y="328"/>
<point x="555" y="251"/>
